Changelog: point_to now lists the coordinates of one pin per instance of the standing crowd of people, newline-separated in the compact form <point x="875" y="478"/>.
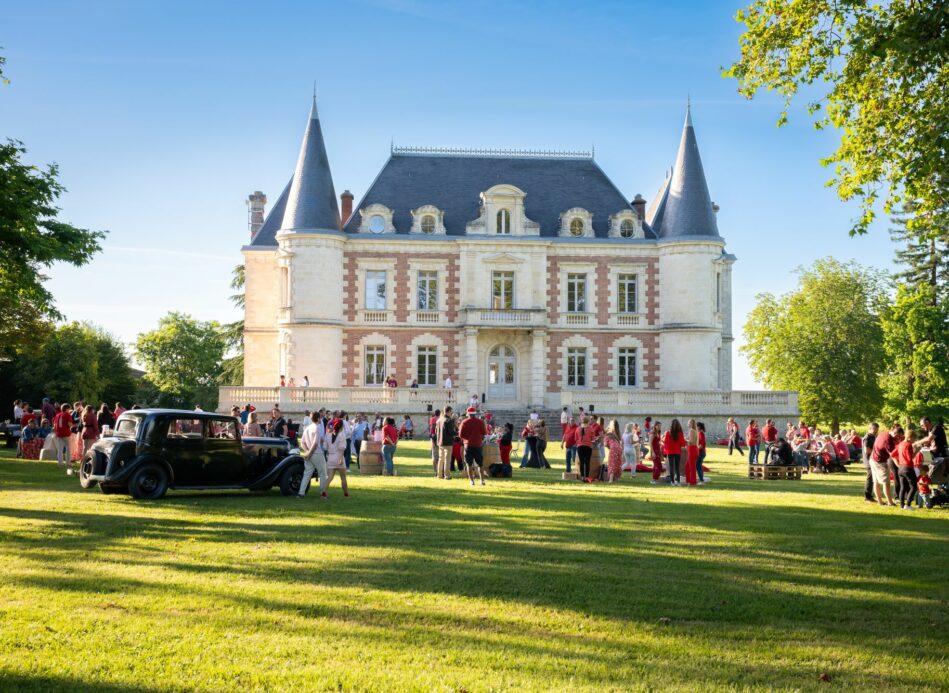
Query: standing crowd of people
<point x="66" y="430"/>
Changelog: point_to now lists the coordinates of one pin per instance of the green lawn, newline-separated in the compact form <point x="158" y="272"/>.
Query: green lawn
<point x="527" y="584"/>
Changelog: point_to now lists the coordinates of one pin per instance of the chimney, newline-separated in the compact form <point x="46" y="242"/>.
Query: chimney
<point x="256" y="202"/>
<point x="346" y="206"/>
<point x="639" y="204"/>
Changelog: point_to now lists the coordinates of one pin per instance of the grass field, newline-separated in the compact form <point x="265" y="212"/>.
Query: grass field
<point x="418" y="584"/>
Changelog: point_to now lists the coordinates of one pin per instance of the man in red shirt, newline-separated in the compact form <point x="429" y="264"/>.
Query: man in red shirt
<point x="752" y="436"/>
<point x="883" y="448"/>
<point x="568" y="441"/>
<point x="770" y="436"/>
<point x="472" y="432"/>
<point x="62" y="431"/>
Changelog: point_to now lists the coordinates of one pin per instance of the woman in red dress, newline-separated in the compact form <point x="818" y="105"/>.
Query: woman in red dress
<point x="614" y="445"/>
<point x="691" y="477"/>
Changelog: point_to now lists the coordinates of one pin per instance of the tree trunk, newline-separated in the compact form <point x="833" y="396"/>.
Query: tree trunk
<point x="834" y="427"/>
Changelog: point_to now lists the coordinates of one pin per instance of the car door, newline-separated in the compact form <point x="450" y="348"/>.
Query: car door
<point x="183" y="447"/>
<point x="225" y="459"/>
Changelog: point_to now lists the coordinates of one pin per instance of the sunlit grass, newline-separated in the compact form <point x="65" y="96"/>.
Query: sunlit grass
<point x="526" y="584"/>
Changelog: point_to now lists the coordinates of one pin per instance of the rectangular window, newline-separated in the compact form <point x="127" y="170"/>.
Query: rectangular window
<point x="502" y="290"/>
<point x="375" y="290"/>
<point x="428" y="290"/>
<point x="576" y="293"/>
<point x="425" y="362"/>
<point x="576" y="367"/>
<point x="375" y="365"/>
<point x="626" y="366"/>
<point x="627" y="293"/>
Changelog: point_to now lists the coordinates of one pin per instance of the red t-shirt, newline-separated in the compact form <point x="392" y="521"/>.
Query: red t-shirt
<point x="702" y="441"/>
<point x="751" y="435"/>
<point x="904" y="454"/>
<point x="569" y="435"/>
<point x="805" y="433"/>
<point x="597" y="429"/>
<point x="472" y="432"/>
<point x="583" y="436"/>
<point x="26" y="418"/>
<point x="843" y="452"/>
<point x="672" y="446"/>
<point x="390" y="435"/>
<point x="62" y="424"/>
<point x="922" y="484"/>
<point x="431" y="426"/>
<point x="883" y="447"/>
<point x="770" y="434"/>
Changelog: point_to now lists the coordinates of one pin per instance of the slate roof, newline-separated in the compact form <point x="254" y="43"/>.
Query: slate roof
<point x="311" y="203"/>
<point x="453" y="183"/>
<point x="685" y="207"/>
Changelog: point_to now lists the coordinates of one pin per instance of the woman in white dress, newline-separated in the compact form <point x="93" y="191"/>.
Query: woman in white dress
<point x="630" y="449"/>
<point x="335" y="458"/>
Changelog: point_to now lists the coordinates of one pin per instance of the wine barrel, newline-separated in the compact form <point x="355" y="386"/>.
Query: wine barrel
<point x="491" y="454"/>
<point x="595" y="462"/>
<point x="370" y="458"/>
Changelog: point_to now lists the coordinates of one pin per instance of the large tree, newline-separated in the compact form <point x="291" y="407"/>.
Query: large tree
<point x="916" y="340"/>
<point x="233" y="367"/>
<point x="31" y="240"/>
<point x="879" y="74"/>
<point x="923" y="251"/>
<point x="183" y="360"/>
<point x="823" y="340"/>
<point x="73" y="362"/>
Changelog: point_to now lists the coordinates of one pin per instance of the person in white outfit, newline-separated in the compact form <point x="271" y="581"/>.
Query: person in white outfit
<point x="312" y="450"/>
<point x="335" y="457"/>
<point x="630" y="449"/>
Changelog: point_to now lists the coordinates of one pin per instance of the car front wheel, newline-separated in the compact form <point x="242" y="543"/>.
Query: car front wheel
<point x="149" y="482"/>
<point x="85" y="471"/>
<point x="291" y="479"/>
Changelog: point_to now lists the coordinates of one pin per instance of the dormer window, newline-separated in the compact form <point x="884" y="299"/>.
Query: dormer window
<point x="576" y="223"/>
<point x="428" y="224"/>
<point x="428" y="220"/>
<point x="504" y="221"/>
<point x="626" y="224"/>
<point x="376" y="218"/>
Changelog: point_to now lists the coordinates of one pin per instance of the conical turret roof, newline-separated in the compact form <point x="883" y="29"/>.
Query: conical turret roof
<point x="684" y="206"/>
<point x="311" y="202"/>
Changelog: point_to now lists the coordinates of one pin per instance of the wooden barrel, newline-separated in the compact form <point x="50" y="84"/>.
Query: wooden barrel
<point x="491" y="454"/>
<point x="595" y="462"/>
<point x="370" y="458"/>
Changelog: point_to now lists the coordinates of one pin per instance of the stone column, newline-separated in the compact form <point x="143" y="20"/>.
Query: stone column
<point x="468" y="380"/>
<point x="538" y="367"/>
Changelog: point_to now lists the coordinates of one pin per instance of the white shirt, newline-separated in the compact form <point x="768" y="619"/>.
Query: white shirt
<point x="313" y="439"/>
<point x="18" y="414"/>
<point x="448" y="382"/>
<point x="564" y="417"/>
<point x="306" y="381"/>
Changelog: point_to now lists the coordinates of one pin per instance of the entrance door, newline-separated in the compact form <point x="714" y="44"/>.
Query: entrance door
<point x="502" y="372"/>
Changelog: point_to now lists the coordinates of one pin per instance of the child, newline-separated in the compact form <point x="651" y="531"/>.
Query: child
<point x="922" y="484"/>
<point x="456" y="458"/>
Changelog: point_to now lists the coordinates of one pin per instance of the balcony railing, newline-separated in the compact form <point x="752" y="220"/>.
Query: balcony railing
<point x="505" y="317"/>
<point x="626" y="401"/>
<point x="374" y="316"/>
<point x="575" y="318"/>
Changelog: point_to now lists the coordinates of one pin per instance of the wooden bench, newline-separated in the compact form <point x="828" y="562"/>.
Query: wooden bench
<point x="773" y="471"/>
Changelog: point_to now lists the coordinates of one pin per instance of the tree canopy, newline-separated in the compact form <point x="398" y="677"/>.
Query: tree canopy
<point x="31" y="240"/>
<point x="824" y="340"/>
<point x="72" y="362"/>
<point x="233" y="367"/>
<point x="183" y="360"/>
<point x="877" y="72"/>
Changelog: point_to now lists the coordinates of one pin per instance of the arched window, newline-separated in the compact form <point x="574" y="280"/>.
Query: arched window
<point x="504" y="221"/>
<point x="627" y="228"/>
<point x="428" y="224"/>
<point x="576" y="227"/>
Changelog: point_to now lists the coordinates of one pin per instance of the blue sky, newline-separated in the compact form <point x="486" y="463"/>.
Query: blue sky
<point x="163" y="116"/>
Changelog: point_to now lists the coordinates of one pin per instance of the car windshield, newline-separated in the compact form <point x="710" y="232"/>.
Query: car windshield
<point x="127" y="425"/>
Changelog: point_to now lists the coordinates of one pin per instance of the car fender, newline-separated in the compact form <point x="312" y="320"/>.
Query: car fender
<point x="270" y="477"/>
<point x="135" y="463"/>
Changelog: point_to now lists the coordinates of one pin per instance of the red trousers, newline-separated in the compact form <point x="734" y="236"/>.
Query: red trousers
<point x="691" y="476"/>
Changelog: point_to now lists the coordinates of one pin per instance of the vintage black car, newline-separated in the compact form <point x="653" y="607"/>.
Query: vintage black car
<point x="152" y="450"/>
